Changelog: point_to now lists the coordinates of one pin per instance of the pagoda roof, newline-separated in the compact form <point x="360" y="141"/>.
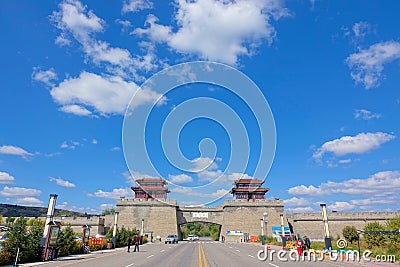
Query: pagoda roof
<point x="151" y="180"/>
<point x="150" y="188"/>
<point x="249" y="181"/>
<point x="250" y="190"/>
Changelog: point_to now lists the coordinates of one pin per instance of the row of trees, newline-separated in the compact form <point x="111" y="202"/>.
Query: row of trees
<point x="200" y="229"/>
<point x="376" y="240"/>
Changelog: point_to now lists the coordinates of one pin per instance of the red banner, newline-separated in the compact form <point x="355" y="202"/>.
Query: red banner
<point x="96" y="241"/>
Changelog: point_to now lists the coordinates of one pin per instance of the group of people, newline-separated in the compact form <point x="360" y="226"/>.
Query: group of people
<point x="136" y="242"/>
<point x="303" y="244"/>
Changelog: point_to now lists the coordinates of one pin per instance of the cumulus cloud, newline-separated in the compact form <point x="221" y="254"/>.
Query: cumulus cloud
<point x="70" y="145"/>
<point x="75" y="20"/>
<point x="76" y="110"/>
<point x="341" y="206"/>
<point x="115" y="193"/>
<point x="48" y="77"/>
<point x="136" y="5"/>
<point x="385" y="183"/>
<point x="359" y="144"/>
<point x="6" y="178"/>
<point x="19" y="192"/>
<point x="300" y="210"/>
<point x="363" y="114"/>
<point x="367" y="65"/>
<point x="201" y="164"/>
<point x="14" y="150"/>
<point x="296" y="202"/>
<point x="61" y="182"/>
<point x="218" y="30"/>
<point x="180" y="179"/>
<point x="104" y="95"/>
<point x="28" y="201"/>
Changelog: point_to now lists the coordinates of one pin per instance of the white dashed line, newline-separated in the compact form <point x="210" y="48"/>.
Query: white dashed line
<point x="250" y="256"/>
<point x="230" y="247"/>
<point x="150" y="256"/>
<point x="162" y="250"/>
<point x="273" y="264"/>
<point x="129" y="265"/>
<point x="238" y="250"/>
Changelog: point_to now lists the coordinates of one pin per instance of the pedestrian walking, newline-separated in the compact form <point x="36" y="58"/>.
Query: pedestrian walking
<point x="299" y="245"/>
<point x="137" y="241"/>
<point x="129" y="243"/>
<point x="307" y="242"/>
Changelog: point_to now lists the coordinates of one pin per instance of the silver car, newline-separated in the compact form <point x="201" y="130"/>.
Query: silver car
<point x="171" y="239"/>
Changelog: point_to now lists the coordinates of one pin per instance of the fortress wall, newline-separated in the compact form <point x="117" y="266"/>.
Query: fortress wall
<point x="245" y="217"/>
<point x="310" y="224"/>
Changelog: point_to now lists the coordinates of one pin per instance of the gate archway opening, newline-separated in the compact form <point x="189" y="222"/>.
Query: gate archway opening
<point x="201" y="229"/>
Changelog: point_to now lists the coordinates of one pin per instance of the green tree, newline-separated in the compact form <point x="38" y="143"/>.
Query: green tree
<point x="32" y="246"/>
<point x="393" y="225"/>
<point x="66" y="243"/>
<point x="17" y="237"/>
<point x="374" y="240"/>
<point x="350" y="233"/>
<point x="108" y="212"/>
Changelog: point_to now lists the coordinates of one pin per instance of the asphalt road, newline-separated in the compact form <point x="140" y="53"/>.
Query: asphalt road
<point x="198" y="254"/>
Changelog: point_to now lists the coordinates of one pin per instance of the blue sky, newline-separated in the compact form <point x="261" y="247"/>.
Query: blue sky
<point x="328" y="69"/>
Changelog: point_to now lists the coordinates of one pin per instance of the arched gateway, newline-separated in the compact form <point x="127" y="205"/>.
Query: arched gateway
<point x="242" y="216"/>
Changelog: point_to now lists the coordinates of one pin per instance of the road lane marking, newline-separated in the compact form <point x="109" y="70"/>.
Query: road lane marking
<point x="89" y="259"/>
<point x="238" y="250"/>
<point x="130" y="265"/>
<point x="250" y="256"/>
<point x="150" y="256"/>
<point x="273" y="264"/>
<point x="204" y="257"/>
<point x="162" y="250"/>
<point x="198" y="248"/>
<point x="230" y="247"/>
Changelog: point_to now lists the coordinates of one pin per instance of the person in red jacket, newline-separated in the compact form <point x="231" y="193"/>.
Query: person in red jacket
<point x="299" y="245"/>
<point x="137" y="242"/>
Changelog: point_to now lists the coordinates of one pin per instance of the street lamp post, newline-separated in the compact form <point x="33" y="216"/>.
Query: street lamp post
<point x="283" y="232"/>
<point x="262" y="231"/>
<point x="114" y="241"/>
<point x="328" y="242"/>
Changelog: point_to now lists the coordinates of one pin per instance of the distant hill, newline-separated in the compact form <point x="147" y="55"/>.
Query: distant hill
<point x="8" y="210"/>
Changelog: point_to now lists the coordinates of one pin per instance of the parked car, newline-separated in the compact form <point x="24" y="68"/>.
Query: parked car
<point x="195" y="238"/>
<point x="190" y="238"/>
<point x="171" y="239"/>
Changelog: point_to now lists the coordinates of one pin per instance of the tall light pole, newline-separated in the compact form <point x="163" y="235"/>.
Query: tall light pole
<point x="262" y="231"/>
<point x="114" y="241"/>
<point x="265" y="219"/>
<point x="283" y="232"/>
<point x="328" y="241"/>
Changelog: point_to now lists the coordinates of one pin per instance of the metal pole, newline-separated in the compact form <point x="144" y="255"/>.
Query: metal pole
<point x="50" y="213"/>
<point x="328" y="242"/>
<point x="114" y="241"/>
<point x="262" y="231"/>
<point x="283" y="232"/>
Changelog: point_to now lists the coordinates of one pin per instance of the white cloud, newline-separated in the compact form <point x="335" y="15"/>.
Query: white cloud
<point x="359" y="144"/>
<point x="48" y="77"/>
<point x="180" y="179"/>
<point x="367" y="65"/>
<point x="384" y="183"/>
<point x="76" y="109"/>
<point x="62" y="182"/>
<point x="70" y="144"/>
<point x="14" y="150"/>
<point x="28" y="201"/>
<point x="74" y="19"/>
<point x="105" y="95"/>
<point x="94" y="141"/>
<point x="107" y="206"/>
<point x="300" y="210"/>
<point x="361" y="29"/>
<point x="341" y="206"/>
<point x="296" y="202"/>
<point x="201" y="164"/>
<point x="136" y="5"/>
<point x="115" y="194"/>
<point x="363" y="114"/>
<point x="6" y="178"/>
<point x="216" y="29"/>
<point x="19" y="192"/>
